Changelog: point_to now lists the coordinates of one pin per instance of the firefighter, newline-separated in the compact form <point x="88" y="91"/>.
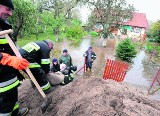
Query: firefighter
<point x="38" y="54"/>
<point x="90" y="56"/>
<point x="9" y="65"/>
<point x="68" y="73"/>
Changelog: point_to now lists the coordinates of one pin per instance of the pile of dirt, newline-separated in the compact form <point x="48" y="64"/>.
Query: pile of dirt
<point x="90" y="97"/>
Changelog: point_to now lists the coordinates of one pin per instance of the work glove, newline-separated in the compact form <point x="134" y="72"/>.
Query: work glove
<point x="15" y="62"/>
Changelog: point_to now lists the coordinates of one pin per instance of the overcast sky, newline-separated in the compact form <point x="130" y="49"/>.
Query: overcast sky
<point x="150" y="7"/>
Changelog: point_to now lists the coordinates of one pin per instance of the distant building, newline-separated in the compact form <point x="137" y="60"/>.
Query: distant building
<point x="134" y="28"/>
<point x="137" y="26"/>
<point x="139" y="20"/>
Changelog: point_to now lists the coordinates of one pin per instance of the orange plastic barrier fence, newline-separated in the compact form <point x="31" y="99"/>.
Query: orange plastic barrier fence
<point x="115" y="70"/>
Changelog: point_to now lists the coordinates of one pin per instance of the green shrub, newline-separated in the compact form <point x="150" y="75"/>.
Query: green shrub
<point x="152" y="40"/>
<point x="153" y="47"/>
<point x="126" y="50"/>
<point x="154" y="32"/>
<point x="93" y="34"/>
<point x="150" y="47"/>
<point x="158" y="48"/>
<point x="74" y="33"/>
<point x="85" y="33"/>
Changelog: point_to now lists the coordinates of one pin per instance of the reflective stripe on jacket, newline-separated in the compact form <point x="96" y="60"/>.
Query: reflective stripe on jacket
<point x="38" y="54"/>
<point x="8" y="85"/>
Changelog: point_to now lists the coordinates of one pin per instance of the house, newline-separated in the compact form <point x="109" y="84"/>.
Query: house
<point x="139" y="20"/>
<point x="137" y="26"/>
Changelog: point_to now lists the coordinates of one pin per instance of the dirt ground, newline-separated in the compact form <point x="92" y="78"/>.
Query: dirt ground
<point x="91" y="97"/>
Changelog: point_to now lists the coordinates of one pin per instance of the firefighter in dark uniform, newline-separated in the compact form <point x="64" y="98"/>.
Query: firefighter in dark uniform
<point x="68" y="72"/>
<point x="38" y="54"/>
<point x="9" y="65"/>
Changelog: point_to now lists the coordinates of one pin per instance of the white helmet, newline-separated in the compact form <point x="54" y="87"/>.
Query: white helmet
<point x="62" y="67"/>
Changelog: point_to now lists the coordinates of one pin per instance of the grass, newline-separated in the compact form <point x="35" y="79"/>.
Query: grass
<point x="42" y="36"/>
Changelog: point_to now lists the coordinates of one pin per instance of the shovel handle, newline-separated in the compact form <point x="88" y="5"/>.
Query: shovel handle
<point x="15" y="50"/>
<point x="6" y="32"/>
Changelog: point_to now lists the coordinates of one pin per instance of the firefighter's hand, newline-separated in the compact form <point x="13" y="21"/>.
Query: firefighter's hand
<point x="15" y="62"/>
<point x="84" y="55"/>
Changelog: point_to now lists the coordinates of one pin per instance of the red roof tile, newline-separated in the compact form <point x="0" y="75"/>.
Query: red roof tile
<point x="138" y="20"/>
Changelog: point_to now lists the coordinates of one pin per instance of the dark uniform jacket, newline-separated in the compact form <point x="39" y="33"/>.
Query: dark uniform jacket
<point x="55" y="68"/>
<point x="93" y="55"/>
<point x="7" y="73"/>
<point x="37" y="53"/>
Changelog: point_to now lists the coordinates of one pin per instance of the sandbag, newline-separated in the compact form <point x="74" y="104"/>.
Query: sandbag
<point x="55" y="78"/>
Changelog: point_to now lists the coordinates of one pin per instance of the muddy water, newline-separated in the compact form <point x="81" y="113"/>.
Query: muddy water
<point x="136" y="73"/>
<point x="142" y="70"/>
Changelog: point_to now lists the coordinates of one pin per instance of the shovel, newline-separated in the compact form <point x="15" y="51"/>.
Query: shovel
<point x="47" y="101"/>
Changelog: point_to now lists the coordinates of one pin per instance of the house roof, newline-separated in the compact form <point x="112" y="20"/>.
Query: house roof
<point x="138" y="20"/>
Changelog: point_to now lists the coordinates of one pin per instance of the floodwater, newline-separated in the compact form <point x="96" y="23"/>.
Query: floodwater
<point x="140" y="73"/>
<point x="136" y="73"/>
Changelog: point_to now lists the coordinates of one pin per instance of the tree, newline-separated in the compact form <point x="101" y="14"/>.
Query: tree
<point x="75" y="14"/>
<point x="47" y="19"/>
<point x="91" y="22"/>
<point x="59" y="9"/>
<point x="126" y="50"/>
<point x="154" y="32"/>
<point x="23" y="19"/>
<point x="58" y="6"/>
<point x="110" y="12"/>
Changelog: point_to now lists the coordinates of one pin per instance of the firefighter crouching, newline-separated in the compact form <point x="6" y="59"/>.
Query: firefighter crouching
<point x="38" y="54"/>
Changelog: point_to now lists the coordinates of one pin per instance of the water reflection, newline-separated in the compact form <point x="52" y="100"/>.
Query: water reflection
<point x="135" y="74"/>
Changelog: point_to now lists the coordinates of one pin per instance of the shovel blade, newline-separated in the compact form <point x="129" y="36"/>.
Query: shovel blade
<point x="46" y="103"/>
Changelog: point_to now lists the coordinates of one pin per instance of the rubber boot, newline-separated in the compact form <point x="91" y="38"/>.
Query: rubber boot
<point x="87" y="69"/>
<point x="49" y="90"/>
<point x="23" y="111"/>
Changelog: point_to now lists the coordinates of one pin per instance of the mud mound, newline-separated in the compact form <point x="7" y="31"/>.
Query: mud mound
<point x="91" y="97"/>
